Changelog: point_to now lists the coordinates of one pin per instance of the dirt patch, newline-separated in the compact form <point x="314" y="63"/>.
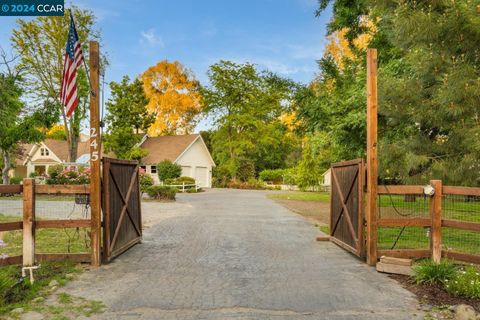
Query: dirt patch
<point x="434" y="294"/>
<point x="313" y="210"/>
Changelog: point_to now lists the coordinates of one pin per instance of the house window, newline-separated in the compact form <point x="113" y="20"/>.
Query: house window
<point x="144" y="168"/>
<point x="153" y="169"/>
<point x="44" y="152"/>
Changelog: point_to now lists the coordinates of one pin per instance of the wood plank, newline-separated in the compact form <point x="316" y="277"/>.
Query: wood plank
<point x="11" y="261"/>
<point x="407" y="189"/>
<point x="408" y="222"/>
<point x="121" y="161"/>
<point x="343" y="245"/>
<point x="397" y="261"/>
<point x="406" y="253"/>
<point x="372" y="156"/>
<point x="10" y="226"/>
<point x="62" y="189"/>
<point x="323" y="238"/>
<point x="347" y="163"/>
<point x="393" y="268"/>
<point x="13" y="188"/>
<point x="436" y="215"/>
<point x="466" y="191"/>
<point x="75" y="257"/>
<point x="76" y="223"/>
<point x="461" y="256"/>
<point x="464" y="225"/>
<point x="28" y="222"/>
<point x="95" y="152"/>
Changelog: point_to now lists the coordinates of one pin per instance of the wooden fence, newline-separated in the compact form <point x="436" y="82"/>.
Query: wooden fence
<point x="461" y="215"/>
<point x="29" y="224"/>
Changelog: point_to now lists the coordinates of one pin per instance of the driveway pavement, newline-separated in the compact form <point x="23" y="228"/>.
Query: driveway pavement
<point x="230" y="254"/>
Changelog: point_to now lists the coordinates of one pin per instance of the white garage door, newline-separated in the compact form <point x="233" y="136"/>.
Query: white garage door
<point x="201" y="176"/>
<point x="187" y="171"/>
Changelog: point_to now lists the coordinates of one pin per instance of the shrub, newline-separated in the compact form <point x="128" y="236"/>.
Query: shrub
<point x="146" y="181"/>
<point x="290" y="176"/>
<point x="180" y="180"/>
<point x="465" y="283"/>
<point x="273" y="175"/>
<point x="193" y="190"/>
<point x="168" y="170"/>
<point x="429" y="272"/>
<point x="15" y="180"/>
<point x="250" y="184"/>
<point x="70" y="175"/>
<point x="162" y="192"/>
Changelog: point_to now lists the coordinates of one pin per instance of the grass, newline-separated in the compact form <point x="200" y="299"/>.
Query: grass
<point x="302" y="196"/>
<point x="457" y="208"/>
<point x="68" y="240"/>
<point x="18" y="293"/>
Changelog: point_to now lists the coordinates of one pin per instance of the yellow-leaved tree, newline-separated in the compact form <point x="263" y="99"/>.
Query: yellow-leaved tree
<point x="174" y="96"/>
<point x="340" y="49"/>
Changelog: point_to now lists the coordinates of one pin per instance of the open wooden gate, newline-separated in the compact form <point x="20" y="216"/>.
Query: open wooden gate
<point x="122" y="218"/>
<point x="347" y="209"/>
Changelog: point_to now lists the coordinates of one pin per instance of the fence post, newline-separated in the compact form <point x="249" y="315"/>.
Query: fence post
<point x="28" y="222"/>
<point x="95" y="155"/>
<point x="372" y="157"/>
<point x="436" y="215"/>
<point x="183" y="186"/>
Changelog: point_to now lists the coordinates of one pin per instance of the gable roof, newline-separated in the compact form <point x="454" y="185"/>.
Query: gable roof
<point x="166" y="147"/>
<point x="60" y="148"/>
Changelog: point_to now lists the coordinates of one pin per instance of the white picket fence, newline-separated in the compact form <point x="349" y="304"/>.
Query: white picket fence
<point x="183" y="187"/>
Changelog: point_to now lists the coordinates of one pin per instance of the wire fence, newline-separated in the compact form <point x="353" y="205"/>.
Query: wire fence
<point x="47" y="240"/>
<point x="62" y="207"/>
<point x="11" y="210"/>
<point x="392" y="206"/>
<point x="412" y="208"/>
<point x="461" y="208"/>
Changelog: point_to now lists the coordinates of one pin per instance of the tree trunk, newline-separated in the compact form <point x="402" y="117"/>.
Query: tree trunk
<point x="6" y="167"/>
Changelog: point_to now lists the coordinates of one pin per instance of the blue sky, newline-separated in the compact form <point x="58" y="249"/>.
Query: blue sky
<point x="280" y="35"/>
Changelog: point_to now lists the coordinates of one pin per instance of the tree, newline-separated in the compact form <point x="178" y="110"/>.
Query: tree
<point x="127" y="118"/>
<point x="56" y="132"/>
<point x="429" y="98"/>
<point x="168" y="170"/>
<point x="247" y="106"/>
<point x="41" y="44"/>
<point x="174" y="96"/>
<point x="18" y="124"/>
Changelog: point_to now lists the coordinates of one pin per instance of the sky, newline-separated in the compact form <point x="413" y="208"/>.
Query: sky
<point x="282" y="36"/>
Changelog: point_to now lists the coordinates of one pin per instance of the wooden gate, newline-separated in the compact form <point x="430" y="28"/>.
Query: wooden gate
<point x="122" y="219"/>
<point x="347" y="209"/>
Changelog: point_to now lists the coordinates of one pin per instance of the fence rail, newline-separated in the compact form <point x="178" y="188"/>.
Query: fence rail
<point x="29" y="223"/>
<point x="446" y="224"/>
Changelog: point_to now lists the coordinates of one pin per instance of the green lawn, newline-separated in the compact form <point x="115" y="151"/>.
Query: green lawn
<point x="303" y="196"/>
<point x="68" y="240"/>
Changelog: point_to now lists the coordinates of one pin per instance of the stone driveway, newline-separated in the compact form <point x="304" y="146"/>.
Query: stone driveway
<point x="230" y="254"/>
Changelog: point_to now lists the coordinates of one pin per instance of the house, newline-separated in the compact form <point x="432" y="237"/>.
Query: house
<point x="39" y="157"/>
<point x="327" y="180"/>
<point x="188" y="151"/>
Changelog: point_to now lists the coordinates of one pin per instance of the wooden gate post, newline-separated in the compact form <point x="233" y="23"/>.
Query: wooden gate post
<point x="95" y="193"/>
<point x="28" y="222"/>
<point x="372" y="158"/>
<point x="436" y="215"/>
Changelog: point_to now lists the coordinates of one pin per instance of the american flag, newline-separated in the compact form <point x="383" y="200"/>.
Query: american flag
<point x="73" y="59"/>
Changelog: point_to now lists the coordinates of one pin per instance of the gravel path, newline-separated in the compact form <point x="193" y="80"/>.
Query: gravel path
<point x="229" y="254"/>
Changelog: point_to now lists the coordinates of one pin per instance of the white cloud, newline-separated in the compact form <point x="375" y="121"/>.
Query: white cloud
<point x="151" y="39"/>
